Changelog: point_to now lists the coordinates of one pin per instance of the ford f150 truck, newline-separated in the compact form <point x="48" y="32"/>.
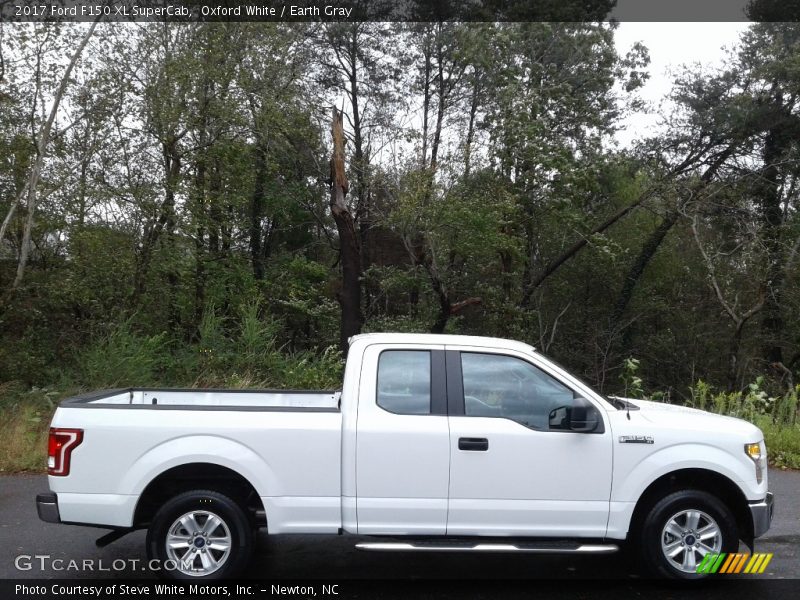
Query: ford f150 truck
<point x="435" y="443"/>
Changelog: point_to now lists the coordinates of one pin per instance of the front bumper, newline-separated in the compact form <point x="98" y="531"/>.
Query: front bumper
<point x="762" y="514"/>
<point x="47" y="507"/>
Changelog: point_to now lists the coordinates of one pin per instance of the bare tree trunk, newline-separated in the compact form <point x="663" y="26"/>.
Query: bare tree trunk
<point x="733" y="356"/>
<point x="444" y="306"/>
<point x="2" y="58"/>
<point x="11" y="211"/>
<point x="166" y="220"/>
<point x="15" y="203"/>
<point x="349" y="252"/>
<point x="173" y="168"/>
<point x="200" y="277"/>
<point x="36" y="171"/>
<point x="257" y="254"/>
<point x="426" y="100"/>
<point x="647" y="252"/>
<point x="775" y="146"/>
<point x="473" y="111"/>
<point x="200" y="213"/>
<point x="349" y="61"/>
<point x="441" y="94"/>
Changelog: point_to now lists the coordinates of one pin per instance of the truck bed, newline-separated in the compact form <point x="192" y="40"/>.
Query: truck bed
<point x="287" y="444"/>
<point x="203" y="398"/>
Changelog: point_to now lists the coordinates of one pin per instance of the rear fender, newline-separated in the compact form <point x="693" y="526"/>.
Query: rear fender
<point x="201" y="449"/>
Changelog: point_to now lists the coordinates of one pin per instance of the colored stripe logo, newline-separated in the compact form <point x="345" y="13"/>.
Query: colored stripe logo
<point x="734" y="563"/>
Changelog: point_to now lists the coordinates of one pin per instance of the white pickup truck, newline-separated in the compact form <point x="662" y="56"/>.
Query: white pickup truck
<point x="435" y="443"/>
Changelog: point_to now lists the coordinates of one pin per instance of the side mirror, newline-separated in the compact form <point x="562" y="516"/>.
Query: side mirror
<point x="559" y="417"/>
<point x="581" y="417"/>
<point x="584" y="417"/>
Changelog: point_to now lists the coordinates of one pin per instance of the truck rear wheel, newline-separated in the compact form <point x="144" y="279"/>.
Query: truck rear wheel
<point x="200" y="535"/>
<point x="681" y="529"/>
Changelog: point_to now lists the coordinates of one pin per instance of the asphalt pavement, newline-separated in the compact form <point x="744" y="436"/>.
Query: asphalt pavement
<point x="334" y="558"/>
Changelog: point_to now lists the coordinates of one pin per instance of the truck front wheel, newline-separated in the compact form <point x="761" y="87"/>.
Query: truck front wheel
<point x="681" y="529"/>
<point x="199" y="535"/>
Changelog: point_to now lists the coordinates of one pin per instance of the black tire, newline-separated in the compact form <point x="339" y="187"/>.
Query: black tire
<point x="222" y="552"/>
<point x="654" y="539"/>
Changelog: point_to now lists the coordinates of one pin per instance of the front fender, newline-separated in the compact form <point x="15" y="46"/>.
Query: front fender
<point x="634" y="474"/>
<point x="632" y="479"/>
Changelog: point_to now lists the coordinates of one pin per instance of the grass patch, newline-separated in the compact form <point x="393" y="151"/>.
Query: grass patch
<point x="24" y="445"/>
<point x="783" y="443"/>
<point x="242" y="354"/>
<point x="25" y="415"/>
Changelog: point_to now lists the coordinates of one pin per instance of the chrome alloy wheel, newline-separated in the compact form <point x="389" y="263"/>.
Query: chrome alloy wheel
<point x="687" y="537"/>
<point x="199" y="542"/>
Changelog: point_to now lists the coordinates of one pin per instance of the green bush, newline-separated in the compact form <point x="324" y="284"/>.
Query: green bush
<point x="783" y="442"/>
<point x="243" y="352"/>
<point x="776" y="416"/>
<point x="25" y="414"/>
<point x="125" y="358"/>
<point x="238" y="351"/>
<point x="629" y="378"/>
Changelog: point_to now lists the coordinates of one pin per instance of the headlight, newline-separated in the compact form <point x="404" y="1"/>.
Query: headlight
<point x="758" y="456"/>
<point x="753" y="450"/>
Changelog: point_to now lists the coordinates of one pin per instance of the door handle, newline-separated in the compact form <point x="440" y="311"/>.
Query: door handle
<point x="473" y="444"/>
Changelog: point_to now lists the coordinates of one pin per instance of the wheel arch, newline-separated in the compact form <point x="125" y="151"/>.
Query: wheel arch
<point x="198" y="476"/>
<point x="706" y="480"/>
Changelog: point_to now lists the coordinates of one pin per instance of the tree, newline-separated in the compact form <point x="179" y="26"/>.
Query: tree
<point x="432" y="225"/>
<point x="42" y="143"/>
<point x="552" y="102"/>
<point x="356" y="65"/>
<point x="349" y="256"/>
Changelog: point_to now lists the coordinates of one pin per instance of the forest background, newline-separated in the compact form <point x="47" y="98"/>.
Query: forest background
<point x="171" y="218"/>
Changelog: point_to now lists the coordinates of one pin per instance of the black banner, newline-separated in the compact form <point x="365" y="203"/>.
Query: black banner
<point x="398" y="10"/>
<point x="110" y="589"/>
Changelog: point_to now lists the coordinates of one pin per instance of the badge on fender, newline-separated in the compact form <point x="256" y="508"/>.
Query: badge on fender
<point x="636" y="439"/>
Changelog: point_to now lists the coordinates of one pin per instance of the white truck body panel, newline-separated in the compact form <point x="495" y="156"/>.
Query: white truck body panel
<point x="530" y="482"/>
<point x="402" y="462"/>
<point x="318" y="468"/>
<point x="291" y="459"/>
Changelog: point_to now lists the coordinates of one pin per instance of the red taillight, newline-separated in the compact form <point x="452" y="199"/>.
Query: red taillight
<point x="59" y="449"/>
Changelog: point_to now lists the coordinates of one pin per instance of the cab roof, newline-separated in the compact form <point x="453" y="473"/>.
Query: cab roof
<point x="442" y="339"/>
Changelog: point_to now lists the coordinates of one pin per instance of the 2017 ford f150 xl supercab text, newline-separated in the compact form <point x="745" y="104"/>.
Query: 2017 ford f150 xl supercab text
<point x="457" y="443"/>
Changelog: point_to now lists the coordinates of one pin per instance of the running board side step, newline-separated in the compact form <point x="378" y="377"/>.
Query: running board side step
<point x="541" y="548"/>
